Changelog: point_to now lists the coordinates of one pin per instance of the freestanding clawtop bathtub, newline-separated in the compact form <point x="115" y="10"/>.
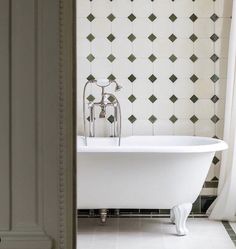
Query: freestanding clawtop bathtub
<point x="165" y="172"/>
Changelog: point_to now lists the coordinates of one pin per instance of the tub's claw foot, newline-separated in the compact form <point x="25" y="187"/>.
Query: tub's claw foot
<point x="103" y="215"/>
<point x="181" y="213"/>
<point x="172" y="216"/>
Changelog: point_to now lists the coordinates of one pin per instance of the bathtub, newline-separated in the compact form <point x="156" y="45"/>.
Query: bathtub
<point x="149" y="172"/>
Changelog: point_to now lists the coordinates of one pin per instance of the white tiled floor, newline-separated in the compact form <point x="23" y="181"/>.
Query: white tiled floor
<point x="150" y="233"/>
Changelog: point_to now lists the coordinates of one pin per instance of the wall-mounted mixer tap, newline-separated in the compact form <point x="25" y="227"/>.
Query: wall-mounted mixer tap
<point x="103" y="104"/>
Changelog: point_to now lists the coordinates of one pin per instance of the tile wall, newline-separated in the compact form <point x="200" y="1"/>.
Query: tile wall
<point x="170" y="56"/>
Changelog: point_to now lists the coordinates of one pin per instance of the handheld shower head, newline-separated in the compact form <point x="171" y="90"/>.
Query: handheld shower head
<point x="118" y="87"/>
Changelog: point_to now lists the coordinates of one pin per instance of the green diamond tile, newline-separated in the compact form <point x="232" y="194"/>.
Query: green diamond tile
<point x="173" y="78"/>
<point x="214" y="99"/>
<point x="194" y="119"/>
<point x="193" y="17"/>
<point x="152" y="17"/>
<point x="172" y="37"/>
<point x="193" y="37"/>
<point x="90" y="98"/>
<point x="90" y="17"/>
<point x="132" y="119"/>
<point x="215" y="119"/>
<point x="214" y="78"/>
<point x="152" y="98"/>
<point x="152" y="57"/>
<point x="173" y="119"/>
<point x="131" y="37"/>
<point x="152" y="37"/>
<point x="173" y="17"/>
<point x="111" y="57"/>
<point x="214" y="179"/>
<point x="111" y="38"/>
<point x="193" y="58"/>
<point x="132" y="58"/>
<point x="131" y="17"/>
<point x="214" y="57"/>
<point x="152" y="78"/>
<point x="215" y="160"/>
<point x="214" y="17"/>
<point x="214" y="37"/>
<point x="132" y="78"/>
<point x="152" y="119"/>
<point x="90" y="37"/>
<point x="90" y="77"/>
<point x="194" y="98"/>
<point x="173" y="98"/>
<point x="132" y="98"/>
<point x="111" y="119"/>
<point x="111" y="17"/>
<point x="111" y="99"/>
<point x="193" y="78"/>
<point x="173" y="58"/>
<point x="90" y="57"/>
<point x="111" y="77"/>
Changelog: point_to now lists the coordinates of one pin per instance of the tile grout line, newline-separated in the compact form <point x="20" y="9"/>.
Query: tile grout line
<point x="230" y="231"/>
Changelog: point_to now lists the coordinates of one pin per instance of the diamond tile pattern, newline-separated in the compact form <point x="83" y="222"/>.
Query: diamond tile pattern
<point x="165" y="61"/>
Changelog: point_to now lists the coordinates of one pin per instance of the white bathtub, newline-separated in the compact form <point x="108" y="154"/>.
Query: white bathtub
<point x="159" y="172"/>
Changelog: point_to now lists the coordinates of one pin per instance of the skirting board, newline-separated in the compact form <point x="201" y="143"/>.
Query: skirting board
<point x="13" y="240"/>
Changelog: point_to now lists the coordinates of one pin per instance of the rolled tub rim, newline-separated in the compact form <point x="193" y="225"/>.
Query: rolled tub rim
<point x="217" y="145"/>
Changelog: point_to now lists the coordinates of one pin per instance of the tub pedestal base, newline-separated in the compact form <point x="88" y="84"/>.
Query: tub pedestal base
<point x="103" y="215"/>
<point x="179" y="215"/>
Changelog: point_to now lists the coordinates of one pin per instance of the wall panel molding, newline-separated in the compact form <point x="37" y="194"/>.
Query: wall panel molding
<point x="37" y="169"/>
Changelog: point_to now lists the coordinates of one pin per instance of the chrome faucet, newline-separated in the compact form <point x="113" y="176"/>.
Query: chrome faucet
<point x="103" y="104"/>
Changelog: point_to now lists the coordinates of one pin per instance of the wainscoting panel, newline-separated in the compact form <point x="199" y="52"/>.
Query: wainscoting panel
<point x="37" y="128"/>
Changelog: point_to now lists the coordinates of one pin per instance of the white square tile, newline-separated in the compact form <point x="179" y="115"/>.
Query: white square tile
<point x="163" y="108"/>
<point x="142" y="127"/>
<point x="142" y="27"/>
<point x="101" y="68"/>
<point x="83" y="8"/>
<point x="204" y="89"/>
<point x="203" y="8"/>
<point x="122" y="8"/>
<point x="183" y="48"/>
<point x="163" y="68"/>
<point x="158" y="29"/>
<point x="122" y="47"/>
<point x="163" y="8"/>
<point x="101" y="8"/>
<point x="205" y="128"/>
<point x="121" y="27"/>
<point x="163" y="47"/>
<point x="83" y="68"/>
<point x="142" y="8"/>
<point x="100" y="27"/>
<point x="100" y="47"/>
<point x="142" y="68"/>
<point x="204" y="68"/>
<point x="185" y="84"/>
<point x="163" y="127"/>
<point x="83" y="28"/>
<point x="203" y="48"/>
<point x="183" y="28"/>
<point x="183" y="127"/>
<point x="121" y="67"/>
<point x="142" y="47"/>
<point x="204" y="109"/>
<point x="183" y="68"/>
<point x="83" y="48"/>
<point x="184" y="109"/>
<point x="183" y="8"/>
<point x="203" y="27"/>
